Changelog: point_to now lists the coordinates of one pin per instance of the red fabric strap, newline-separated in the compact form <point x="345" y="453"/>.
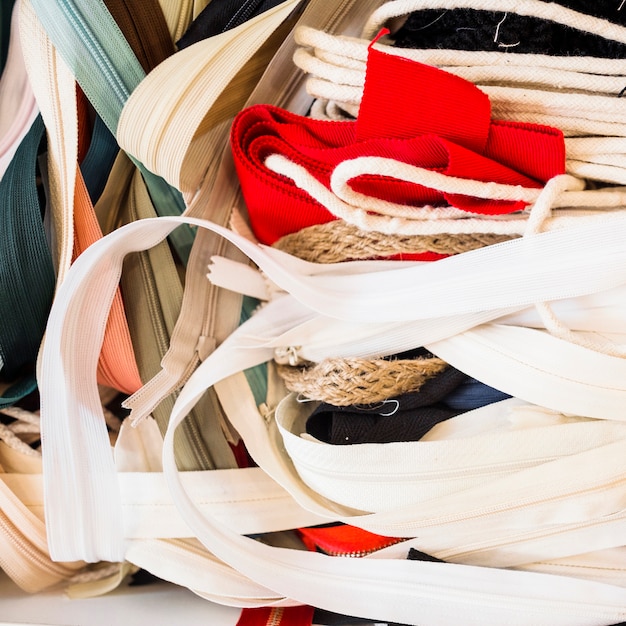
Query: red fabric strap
<point x="411" y="112"/>
<point x="344" y="540"/>
<point x="277" y="616"/>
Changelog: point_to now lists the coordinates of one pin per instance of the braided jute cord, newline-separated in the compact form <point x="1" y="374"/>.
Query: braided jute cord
<point x="338" y="241"/>
<point x="346" y="381"/>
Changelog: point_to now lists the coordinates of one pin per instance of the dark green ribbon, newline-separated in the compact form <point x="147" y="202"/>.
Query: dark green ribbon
<point x="27" y="275"/>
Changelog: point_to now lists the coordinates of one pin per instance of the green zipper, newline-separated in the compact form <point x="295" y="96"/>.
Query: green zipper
<point x="90" y="42"/>
<point x="27" y="276"/>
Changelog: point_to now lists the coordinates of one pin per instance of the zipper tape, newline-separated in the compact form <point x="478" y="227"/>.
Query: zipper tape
<point x="18" y="108"/>
<point x="199" y="327"/>
<point x="92" y="45"/>
<point x="24" y="554"/>
<point x="385" y="478"/>
<point x="75" y="224"/>
<point x="245" y="499"/>
<point x="55" y="92"/>
<point x="188" y="84"/>
<point x="87" y="290"/>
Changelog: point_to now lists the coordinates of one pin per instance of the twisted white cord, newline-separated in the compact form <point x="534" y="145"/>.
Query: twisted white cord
<point x="99" y="573"/>
<point x="25" y="423"/>
<point x="540" y="212"/>
<point x="575" y="94"/>
<point x="578" y="95"/>
<point x="377" y="215"/>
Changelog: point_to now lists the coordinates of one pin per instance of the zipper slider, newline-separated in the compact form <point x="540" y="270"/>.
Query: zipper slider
<point x="288" y="355"/>
<point x="267" y="413"/>
<point x="205" y="346"/>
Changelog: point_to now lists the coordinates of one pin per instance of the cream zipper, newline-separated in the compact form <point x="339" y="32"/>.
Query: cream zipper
<point x="460" y="554"/>
<point x="33" y="570"/>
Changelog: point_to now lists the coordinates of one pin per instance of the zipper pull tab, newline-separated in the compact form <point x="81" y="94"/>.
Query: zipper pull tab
<point x="238" y="277"/>
<point x="242" y="278"/>
<point x="288" y="355"/>
<point x="205" y="346"/>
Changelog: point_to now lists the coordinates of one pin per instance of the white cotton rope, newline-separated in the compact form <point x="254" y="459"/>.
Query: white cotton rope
<point x="372" y="214"/>
<point x="376" y="215"/>
<point x="578" y="95"/>
<point x="25" y="422"/>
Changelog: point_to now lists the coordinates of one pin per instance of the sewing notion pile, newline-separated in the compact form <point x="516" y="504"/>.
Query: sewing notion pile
<point x="317" y="308"/>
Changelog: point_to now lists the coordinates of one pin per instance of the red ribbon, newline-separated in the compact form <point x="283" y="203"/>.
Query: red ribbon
<point x="410" y="112"/>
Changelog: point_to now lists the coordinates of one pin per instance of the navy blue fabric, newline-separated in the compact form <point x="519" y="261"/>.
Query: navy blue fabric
<point x="472" y="394"/>
<point x="98" y="161"/>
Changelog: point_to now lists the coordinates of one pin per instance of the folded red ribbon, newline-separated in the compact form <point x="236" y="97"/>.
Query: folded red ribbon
<point x="410" y="112"/>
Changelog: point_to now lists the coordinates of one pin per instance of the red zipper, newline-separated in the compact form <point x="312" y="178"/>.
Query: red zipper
<point x="277" y="616"/>
<point x="345" y="540"/>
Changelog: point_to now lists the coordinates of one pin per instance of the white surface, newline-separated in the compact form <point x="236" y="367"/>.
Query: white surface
<point x="159" y="604"/>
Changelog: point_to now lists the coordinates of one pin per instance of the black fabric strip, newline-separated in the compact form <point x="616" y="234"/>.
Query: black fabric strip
<point x="417" y="555"/>
<point x="222" y="15"/>
<point x="6" y="8"/>
<point x="404" y="418"/>
<point x="471" y="29"/>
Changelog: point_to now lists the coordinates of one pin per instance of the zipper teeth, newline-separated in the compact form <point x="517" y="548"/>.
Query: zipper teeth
<point x="32" y="555"/>
<point x="442" y="474"/>
<point x="211" y="298"/>
<point x="361" y="553"/>
<point x="503" y="508"/>
<point x="86" y="35"/>
<point x="529" y="535"/>
<point x="158" y="325"/>
<point x="185" y="15"/>
<point x="59" y="133"/>
<point x="190" y="427"/>
<point x="275" y="617"/>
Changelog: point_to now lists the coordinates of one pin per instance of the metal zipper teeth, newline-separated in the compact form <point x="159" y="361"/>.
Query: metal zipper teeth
<point x="361" y="553"/>
<point x="275" y="617"/>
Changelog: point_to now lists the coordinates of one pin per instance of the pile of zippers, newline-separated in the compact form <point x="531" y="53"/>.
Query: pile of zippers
<point x="283" y="283"/>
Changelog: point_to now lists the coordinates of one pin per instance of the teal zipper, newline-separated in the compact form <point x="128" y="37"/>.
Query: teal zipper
<point x="90" y="42"/>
